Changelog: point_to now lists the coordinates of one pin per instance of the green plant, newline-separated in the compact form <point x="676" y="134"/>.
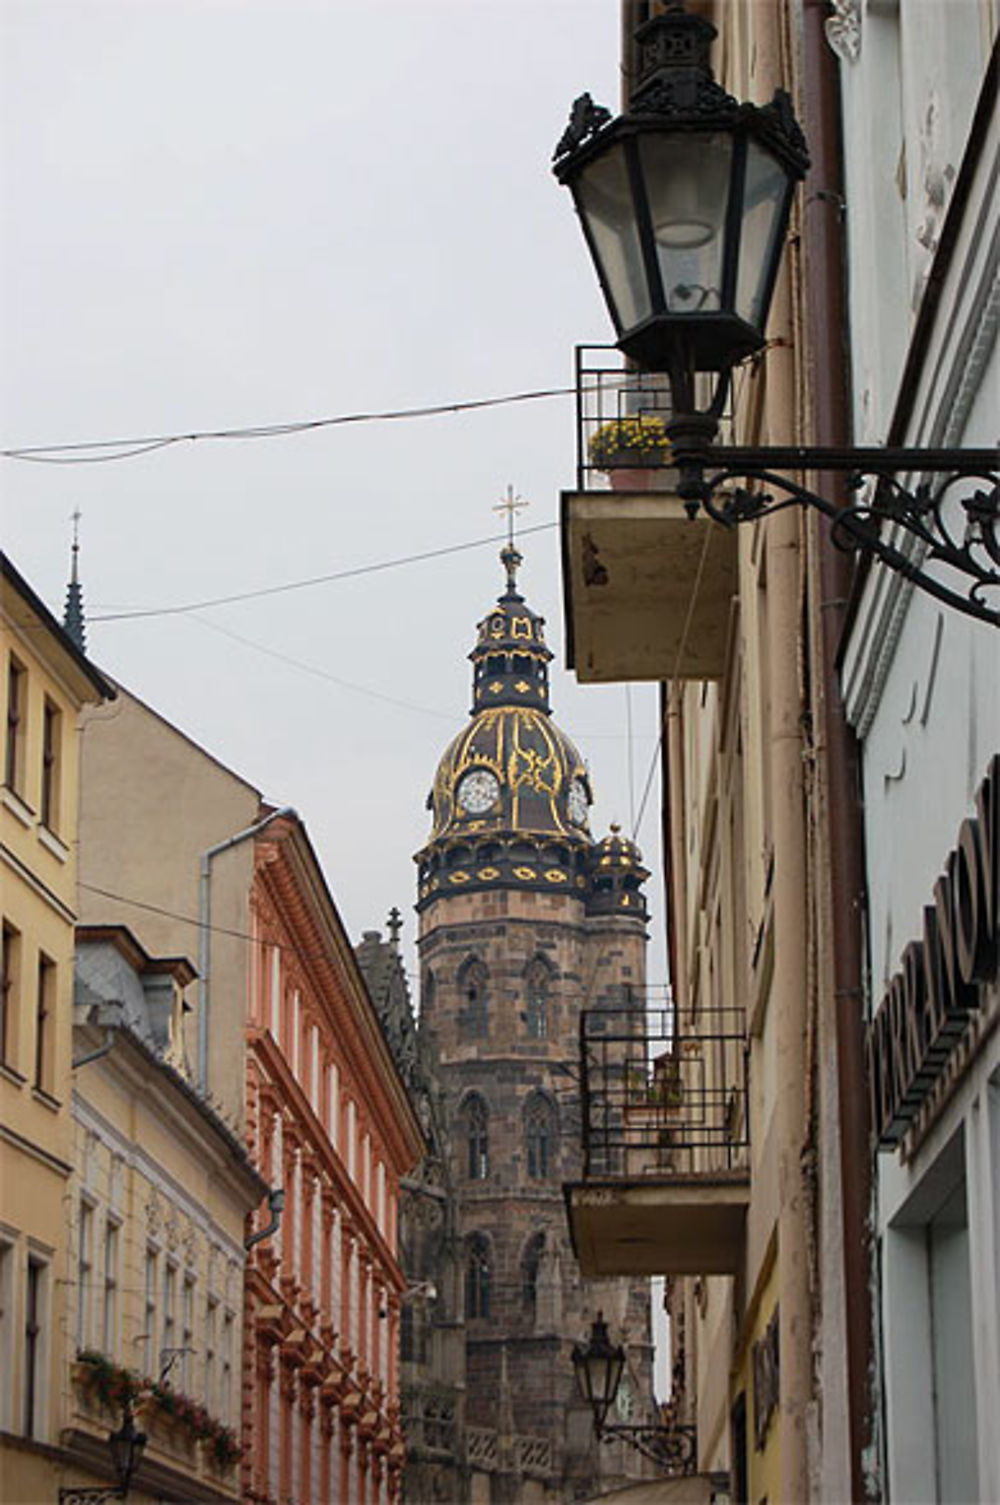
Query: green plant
<point x="113" y="1384"/>
<point x="643" y="438"/>
<point x="110" y="1382"/>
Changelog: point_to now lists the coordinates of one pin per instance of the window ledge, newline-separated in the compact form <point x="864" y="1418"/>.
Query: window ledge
<point x="53" y="844"/>
<point x="46" y="1099"/>
<point x="17" y="806"/>
<point x="9" y="1074"/>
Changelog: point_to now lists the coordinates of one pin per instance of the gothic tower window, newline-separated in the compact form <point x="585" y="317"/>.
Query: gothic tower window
<point x="539" y="1133"/>
<point x="532" y="1258"/>
<point x="536" y="1014"/>
<point x="474" y="1016"/>
<point x="476" y="1134"/>
<point x="477" y="1276"/>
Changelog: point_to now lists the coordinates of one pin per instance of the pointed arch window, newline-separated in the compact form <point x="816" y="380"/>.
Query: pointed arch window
<point x="473" y="980"/>
<point x="536" y="1015"/>
<point x="530" y="1263"/>
<point x="478" y="1276"/>
<point x="476" y="1133"/>
<point x="539" y="1131"/>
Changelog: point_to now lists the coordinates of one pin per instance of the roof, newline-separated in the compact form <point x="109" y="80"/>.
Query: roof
<point x="23" y="605"/>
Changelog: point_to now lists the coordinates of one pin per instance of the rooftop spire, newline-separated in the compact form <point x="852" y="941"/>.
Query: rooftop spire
<point x="73" y="620"/>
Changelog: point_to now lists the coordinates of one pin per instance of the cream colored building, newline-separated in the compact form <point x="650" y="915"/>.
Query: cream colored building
<point x="159" y="1203"/>
<point x="46" y="680"/>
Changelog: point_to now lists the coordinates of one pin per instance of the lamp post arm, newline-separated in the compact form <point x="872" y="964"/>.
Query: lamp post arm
<point x="674" y="1449"/>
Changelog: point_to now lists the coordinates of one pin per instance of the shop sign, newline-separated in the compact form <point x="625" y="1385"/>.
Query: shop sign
<point x="926" y="1007"/>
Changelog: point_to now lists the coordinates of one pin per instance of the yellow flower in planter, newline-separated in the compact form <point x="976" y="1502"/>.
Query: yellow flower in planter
<point x="629" y="441"/>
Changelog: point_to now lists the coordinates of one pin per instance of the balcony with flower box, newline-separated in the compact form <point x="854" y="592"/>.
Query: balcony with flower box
<point x="666" y="1180"/>
<point x="647" y="590"/>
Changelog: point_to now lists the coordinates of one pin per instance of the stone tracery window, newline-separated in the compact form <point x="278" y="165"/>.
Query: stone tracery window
<point x="473" y="979"/>
<point x="536" y="1014"/>
<point x="539" y="1133"/>
<point x="530" y="1262"/>
<point x="478" y="1276"/>
<point x="476" y="1134"/>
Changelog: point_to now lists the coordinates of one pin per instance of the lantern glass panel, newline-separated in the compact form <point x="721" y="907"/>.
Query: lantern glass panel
<point x="604" y="197"/>
<point x="687" y="188"/>
<point x="764" y="198"/>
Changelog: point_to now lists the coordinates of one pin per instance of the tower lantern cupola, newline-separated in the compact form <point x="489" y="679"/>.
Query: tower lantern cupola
<point x="510" y="660"/>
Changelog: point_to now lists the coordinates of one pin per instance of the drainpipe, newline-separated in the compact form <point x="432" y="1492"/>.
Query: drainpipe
<point x="95" y="1055"/>
<point x="827" y="315"/>
<point x="205" y="930"/>
<point x="276" y="1202"/>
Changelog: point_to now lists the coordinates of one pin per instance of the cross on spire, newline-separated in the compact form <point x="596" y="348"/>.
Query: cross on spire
<point x="395" y="925"/>
<point x="75" y="517"/>
<point x="509" y="556"/>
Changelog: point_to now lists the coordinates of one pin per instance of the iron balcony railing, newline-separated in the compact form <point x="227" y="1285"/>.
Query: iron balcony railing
<point x="607" y="395"/>
<point x="663" y="1096"/>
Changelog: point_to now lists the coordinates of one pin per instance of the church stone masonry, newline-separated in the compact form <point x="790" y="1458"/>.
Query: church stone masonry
<point x="523" y="920"/>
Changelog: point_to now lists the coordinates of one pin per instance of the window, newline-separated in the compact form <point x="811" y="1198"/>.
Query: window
<point x="9" y="979"/>
<point x="477" y="1277"/>
<point x="6" y="1330"/>
<point x="44" y="1021"/>
<point x="530" y="1263"/>
<point x="109" y="1324"/>
<point x="17" y="684"/>
<point x="33" y="1311"/>
<point x="538" y="1137"/>
<point x="187" y="1330"/>
<point x="149" y="1312"/>
<point x="211" y="1358"/>
<point x="536" y="1015"/>
<point x="51" y="764"/>
<point x="168" y="1348"/>
<point x="226" y="1385"/>
<point x="475" y="1121"/>
<point x="84" y="1273"/>
<point x="474" y="1015"/>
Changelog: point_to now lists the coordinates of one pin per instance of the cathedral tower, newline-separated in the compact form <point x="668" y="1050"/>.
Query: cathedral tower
<point x="523" y="921"/>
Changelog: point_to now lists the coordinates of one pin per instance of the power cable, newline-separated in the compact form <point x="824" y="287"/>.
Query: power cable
<point x="128" y="448"/>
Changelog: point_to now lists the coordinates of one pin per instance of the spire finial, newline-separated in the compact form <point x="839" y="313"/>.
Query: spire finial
<point x="73" y="612"/>
<point x="395" y="925"/>
<point x="510" y="557"/>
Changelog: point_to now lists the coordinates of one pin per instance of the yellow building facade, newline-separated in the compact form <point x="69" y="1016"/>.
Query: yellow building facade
<point x="45" y="682"/>
<point x="159" y="1203"/>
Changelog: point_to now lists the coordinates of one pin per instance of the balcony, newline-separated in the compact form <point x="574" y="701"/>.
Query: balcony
<point x="666" y="1178"/>
<point x="647" y="591"/>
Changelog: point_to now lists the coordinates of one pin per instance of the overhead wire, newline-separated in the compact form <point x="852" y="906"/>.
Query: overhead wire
<point x="92" y="451"/>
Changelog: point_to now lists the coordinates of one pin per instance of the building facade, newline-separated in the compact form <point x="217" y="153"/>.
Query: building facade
<point x="524" y="920"/>
<point x="286" y="1046"/>
<point x="162" y="1192"/>
<point x="922" y="689"/>
<point x="46" y="682"/>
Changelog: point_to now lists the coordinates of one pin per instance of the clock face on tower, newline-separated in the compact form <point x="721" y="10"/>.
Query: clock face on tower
<point x="576" y="802"/>
<point x="477" y="791"/>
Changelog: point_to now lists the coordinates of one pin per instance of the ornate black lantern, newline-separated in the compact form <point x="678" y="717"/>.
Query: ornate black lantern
<point x="598" y="1369"/>
<point x="684" y="202"/>
<point x="127" y="1445"/>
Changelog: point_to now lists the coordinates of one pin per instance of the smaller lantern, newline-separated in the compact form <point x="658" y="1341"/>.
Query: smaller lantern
<point x="684" y="203"/>
<point x="598" y="1369"/>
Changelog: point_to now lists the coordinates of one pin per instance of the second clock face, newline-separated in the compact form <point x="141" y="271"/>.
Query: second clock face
<point x="477" y="792"/>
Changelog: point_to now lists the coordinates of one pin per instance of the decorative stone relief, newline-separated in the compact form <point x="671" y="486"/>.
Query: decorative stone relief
<point x="843" y="29"/>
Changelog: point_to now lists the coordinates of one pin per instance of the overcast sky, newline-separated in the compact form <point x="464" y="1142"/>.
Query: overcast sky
<point x="226" y="213"/>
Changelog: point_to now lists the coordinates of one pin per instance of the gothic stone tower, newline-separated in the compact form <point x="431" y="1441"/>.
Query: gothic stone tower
<point x="523" y="920"/>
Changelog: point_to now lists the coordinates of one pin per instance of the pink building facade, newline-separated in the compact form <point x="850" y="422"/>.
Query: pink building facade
<point x="328" y="1121"/>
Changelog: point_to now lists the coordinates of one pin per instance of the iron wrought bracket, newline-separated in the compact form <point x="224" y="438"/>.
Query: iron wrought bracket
<point x="674" y="1449"/>
<point x="918" y="511"/>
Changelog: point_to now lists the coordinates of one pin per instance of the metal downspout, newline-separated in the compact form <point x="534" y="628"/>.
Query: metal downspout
<point x="827" y="316"/>
<point x="205" y="927"/>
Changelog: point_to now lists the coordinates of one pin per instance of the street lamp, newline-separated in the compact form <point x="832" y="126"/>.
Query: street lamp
<point x="126" y="1445"/>
<point x="684" y="202"/>
<point x="598" y="1368"/>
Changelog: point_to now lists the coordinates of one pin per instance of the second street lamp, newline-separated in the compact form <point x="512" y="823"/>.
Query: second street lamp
<point x="684" y="202"/>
